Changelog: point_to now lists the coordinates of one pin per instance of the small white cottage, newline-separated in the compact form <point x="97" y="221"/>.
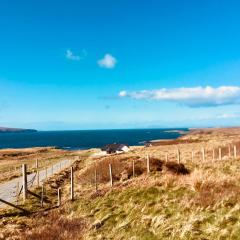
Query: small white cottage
<point x="115" y="148"/>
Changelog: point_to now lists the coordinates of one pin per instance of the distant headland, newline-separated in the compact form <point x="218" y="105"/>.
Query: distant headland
<point x="15" y="130"/>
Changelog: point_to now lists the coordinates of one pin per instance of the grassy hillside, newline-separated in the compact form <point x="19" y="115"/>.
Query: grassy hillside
<point x="193" y="200"/>
<point x="11" y="160"/>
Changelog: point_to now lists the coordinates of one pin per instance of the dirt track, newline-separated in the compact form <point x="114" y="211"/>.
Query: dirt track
<point x="9" y="190"/>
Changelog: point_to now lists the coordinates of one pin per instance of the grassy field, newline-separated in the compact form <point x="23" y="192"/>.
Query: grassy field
<point x="195" y="199"/>
<point x="11" y="160"/>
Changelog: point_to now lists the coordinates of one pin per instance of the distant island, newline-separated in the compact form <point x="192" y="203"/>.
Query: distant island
<point x="15" y="130"/>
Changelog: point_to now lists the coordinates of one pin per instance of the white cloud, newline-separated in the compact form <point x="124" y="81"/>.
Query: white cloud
<point x="123" y="94"/>
<point x="192" y="97"/>
<point x="228" y="115"/>
<point x="71" y="56"/>
<point x="108" y="61"/>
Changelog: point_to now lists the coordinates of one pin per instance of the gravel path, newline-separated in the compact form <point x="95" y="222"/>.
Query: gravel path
<point x="9" y="190"/>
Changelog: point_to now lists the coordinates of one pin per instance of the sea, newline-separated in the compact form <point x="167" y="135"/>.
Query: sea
<point x="85" y="139"/>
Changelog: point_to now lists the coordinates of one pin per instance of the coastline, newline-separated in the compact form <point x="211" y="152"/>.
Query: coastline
<point x="182" y="132"/>
<point x="168" y="185"/>
<point x="16" y="130"/>
<point x="82" y="139"/>
<point x="173" y="140"/>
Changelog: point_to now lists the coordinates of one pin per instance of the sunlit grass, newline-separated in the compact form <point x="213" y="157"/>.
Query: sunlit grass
<point x="201" y="204"/>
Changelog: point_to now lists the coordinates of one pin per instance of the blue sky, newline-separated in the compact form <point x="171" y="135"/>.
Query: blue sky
<point x="119" y="64"/>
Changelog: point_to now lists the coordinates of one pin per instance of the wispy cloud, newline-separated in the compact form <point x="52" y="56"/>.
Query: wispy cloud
<point x="228" y="115"/>
<point x="192" y="97"/>
<point x="72" y="56"/>
<point x="108" y="61"/>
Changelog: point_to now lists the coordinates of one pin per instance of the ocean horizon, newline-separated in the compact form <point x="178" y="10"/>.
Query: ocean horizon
<point x="85" y="139"/>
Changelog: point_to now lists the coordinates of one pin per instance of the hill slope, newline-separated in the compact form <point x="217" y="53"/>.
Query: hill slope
<point x="196" y="199"/>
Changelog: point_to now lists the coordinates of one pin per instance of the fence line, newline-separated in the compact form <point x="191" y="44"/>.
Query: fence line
<point x="110" y="175"/>
<point x="27" y="181"/>
<point x="203" y="154"/>
<point x="148" y="164"/>
<point x="24" y="183"/>
<point x="72" y="184"/>
<point x="95" y="178"/>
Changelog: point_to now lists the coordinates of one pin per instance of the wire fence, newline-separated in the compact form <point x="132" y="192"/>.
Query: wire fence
<point x="116" y="168"/>
<point x="9" y="172"/>
<point x="12" y="190"/>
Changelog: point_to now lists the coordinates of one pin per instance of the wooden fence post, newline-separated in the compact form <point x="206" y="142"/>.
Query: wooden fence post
<point x="37" y="178"/>
<point x="72" y="184"/>
<point x="192" y="156"/>
<point x="166" y="157"/>
<point x="24" y="174"/>
<point x="178" y="155"/>
<point x="96" y="183"/>
<point x="220" y="154"/>
<point x="36" y="163"/>
<point x="229" y="151"/>
<point x="110" y="174"/>
<point x="42" y="194"/>
<point x="148" y="164"/>
<point x="235" y="151"/>
<point x="203" y="154"/>
<point x="133" y="168"/>
<point x="17" y="191"/>
<point x="59" y="197"/>
<point x="46" y="172"/>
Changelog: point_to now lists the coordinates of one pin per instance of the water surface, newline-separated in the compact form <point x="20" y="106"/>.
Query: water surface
<point x="83" y="139"/>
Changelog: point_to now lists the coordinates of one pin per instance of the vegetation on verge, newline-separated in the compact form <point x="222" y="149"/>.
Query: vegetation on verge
<point x="202" y="203"/>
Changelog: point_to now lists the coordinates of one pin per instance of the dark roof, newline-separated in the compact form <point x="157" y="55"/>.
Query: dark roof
<point x="114" y="147"/>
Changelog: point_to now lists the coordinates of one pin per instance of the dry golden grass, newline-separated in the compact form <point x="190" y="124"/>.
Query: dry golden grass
<point x="122" y="168"/>
<point x="193" y="200"/>
<point x="53" y="227"/>
<point x="12" y="159"/>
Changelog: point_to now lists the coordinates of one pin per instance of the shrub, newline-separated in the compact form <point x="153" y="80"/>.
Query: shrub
<point x="122" y="165"/>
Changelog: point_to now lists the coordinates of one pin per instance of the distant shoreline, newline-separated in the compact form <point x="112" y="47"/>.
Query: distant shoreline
<point x="84" y="139"/>
<point x="182" y="132"/>
<point x="15" y="130"/>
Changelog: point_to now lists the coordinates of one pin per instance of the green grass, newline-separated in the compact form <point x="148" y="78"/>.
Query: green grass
<point x="202" y="205"/>
<point x="13" y="170"/>
<point x="158" y="213"/>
